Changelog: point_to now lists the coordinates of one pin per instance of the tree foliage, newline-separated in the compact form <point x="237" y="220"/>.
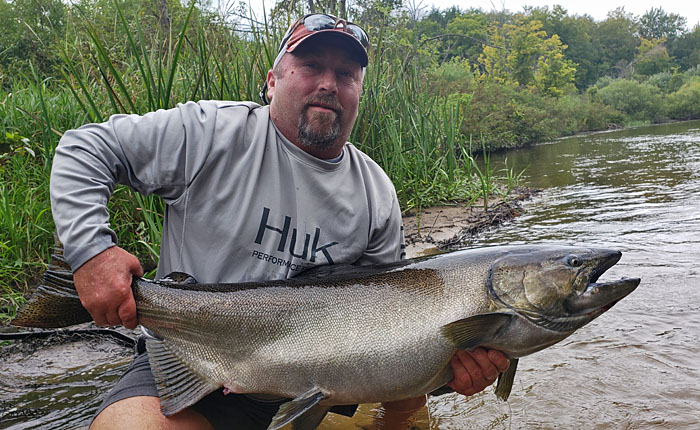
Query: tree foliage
<point x="685" y="50"/>
<point x="616" y="37"/>
<point x="652" y="57"/>
<point x="528" y="58"/>
<point x="657" y="24"/>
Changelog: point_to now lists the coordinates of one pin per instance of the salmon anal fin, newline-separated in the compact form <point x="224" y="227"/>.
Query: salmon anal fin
<point x="178" y="386"/>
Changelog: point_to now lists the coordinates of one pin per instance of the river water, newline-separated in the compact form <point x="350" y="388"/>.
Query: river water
<point x="635" y="367"/>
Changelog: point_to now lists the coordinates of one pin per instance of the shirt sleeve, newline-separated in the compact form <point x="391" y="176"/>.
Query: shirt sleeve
<point x="157" y="153"/>
<point x="387" y="243"/>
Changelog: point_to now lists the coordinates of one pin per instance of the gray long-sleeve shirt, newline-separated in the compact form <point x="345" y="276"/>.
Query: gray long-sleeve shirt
<point x="243" y="203"/>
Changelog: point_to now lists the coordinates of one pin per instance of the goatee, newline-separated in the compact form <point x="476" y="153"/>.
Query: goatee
<point x="325" y="128"/>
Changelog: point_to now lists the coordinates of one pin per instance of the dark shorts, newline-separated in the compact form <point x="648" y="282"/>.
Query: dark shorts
<point x="222" y="411"/>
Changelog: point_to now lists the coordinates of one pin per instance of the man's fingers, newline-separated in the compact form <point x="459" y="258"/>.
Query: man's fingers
<point x="475" y="370"/>
<point x="100" y="319"/>
<point x="104" y="286"/>
<point x="113" y="319"/>
<point x="486" y="368"/>
<point x="127" y="313"/>
<point x="462" y="381"/>
<point x="469" y="361"/>
<point x="499" y="359"/>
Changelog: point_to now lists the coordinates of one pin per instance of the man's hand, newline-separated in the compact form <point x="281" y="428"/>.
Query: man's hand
<point x="475" y="370"/>
<point x="104" y="287"/>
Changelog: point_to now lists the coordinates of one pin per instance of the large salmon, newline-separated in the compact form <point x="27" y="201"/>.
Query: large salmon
<point x="347" y="334"/>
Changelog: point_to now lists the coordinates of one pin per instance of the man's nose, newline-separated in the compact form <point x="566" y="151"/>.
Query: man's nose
<point x="328" y="81"/>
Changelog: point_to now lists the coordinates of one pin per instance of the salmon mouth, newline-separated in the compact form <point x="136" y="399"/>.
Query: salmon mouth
<point x="600" y="297"/>
<point x="603" y="265"/>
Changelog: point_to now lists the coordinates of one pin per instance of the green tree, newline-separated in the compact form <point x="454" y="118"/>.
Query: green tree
<point x="376" y="13"/>
<point x="554" y="74"/>
<point x="575" y="32"/>
<point x="530" y="58"/>
<point x="617" y="43"/>
<point x="653" y="57"/>
<point x="154" y="17"/>
<point x="685" y="50"/>
<point x="657" y="24"/>
<point x="685" y="103"/>
<point x="473" y="25"/>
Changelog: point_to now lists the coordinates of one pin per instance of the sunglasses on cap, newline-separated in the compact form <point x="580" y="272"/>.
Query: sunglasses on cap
<point x="321" y="21"/>
<point x="313" y="23"/>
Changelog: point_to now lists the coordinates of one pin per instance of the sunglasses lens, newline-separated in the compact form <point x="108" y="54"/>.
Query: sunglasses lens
<point x="359" y="34"/>
<point x="319" y="22"/>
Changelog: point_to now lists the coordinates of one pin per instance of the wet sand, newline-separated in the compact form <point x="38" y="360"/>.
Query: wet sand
<point x="449" y="227"/>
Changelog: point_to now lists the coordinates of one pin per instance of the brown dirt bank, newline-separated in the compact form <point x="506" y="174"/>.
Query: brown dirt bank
<point x="449" y="227"/>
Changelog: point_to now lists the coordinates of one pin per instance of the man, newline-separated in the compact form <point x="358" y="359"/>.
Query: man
<point x="252" y="193"/>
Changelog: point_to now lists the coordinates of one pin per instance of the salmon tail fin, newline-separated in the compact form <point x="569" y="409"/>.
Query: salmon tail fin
<point x="54" y="303"/>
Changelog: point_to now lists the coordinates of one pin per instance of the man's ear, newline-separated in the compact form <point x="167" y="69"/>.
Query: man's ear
<point x="270" y="84"/>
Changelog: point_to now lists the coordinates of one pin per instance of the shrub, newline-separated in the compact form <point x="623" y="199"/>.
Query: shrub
<point x="685" y="103"/>
<point x="669" y="82"/>
<point x="639" y="101"/>
<point x="506" y="117"/>
<point x="576" y="113"/>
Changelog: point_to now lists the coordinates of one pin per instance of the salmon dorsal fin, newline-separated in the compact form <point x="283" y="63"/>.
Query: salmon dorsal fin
<point x="178" y="386"/>
<point x="180" y="278"/>
<point x="476" y="330"/>
<point x="303" y="412"/>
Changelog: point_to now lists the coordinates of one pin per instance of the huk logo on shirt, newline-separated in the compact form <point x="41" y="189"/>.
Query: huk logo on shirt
<point x="285" y="240"/>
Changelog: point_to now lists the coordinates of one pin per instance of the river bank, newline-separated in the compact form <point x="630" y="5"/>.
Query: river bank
<point x="449" y="227"/>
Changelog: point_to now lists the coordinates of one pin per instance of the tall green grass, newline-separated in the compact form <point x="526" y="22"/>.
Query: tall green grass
<point x="25" y="220"/>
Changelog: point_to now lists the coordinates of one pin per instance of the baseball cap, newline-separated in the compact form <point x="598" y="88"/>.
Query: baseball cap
<point x="320" y="24"/>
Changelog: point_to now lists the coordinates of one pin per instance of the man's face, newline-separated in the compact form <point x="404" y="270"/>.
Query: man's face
<point x="315" y="94"/>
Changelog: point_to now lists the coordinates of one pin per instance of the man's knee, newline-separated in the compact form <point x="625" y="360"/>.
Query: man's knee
<point x="143" y="412"/>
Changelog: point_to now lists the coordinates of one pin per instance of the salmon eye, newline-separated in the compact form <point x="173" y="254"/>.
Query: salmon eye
<point x="574" y="260"/>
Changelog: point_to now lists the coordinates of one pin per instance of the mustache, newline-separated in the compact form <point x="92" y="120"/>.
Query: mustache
<point x="326" y="100"/>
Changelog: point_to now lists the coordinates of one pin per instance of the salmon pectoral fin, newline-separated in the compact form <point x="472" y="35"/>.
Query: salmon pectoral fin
<point x="505" y="380"/>
<point x="178" y="387"/>
<point x="304" y="412"/>
<point x="476" y="330"/>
